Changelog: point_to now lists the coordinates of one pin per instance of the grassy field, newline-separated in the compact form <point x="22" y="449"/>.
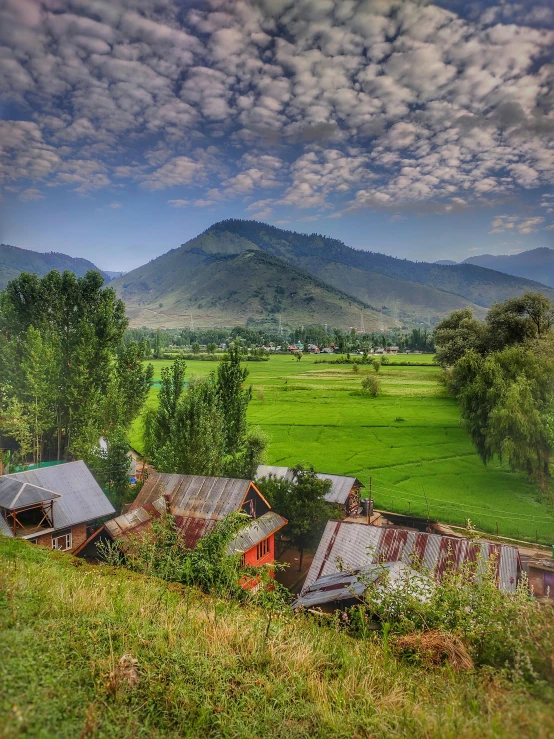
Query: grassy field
<point x="408" y="441"/>
<point x="205" y="668"/>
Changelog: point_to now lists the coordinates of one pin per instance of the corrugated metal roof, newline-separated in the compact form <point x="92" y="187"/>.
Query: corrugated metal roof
<point x="341" y="485"/>
<point x="345" y="585"/>
<point x="256" y="531"/>
<point x="15" y="494"/>
<point x="81" y="498"/>
<point x="356" y="545"/>
<point x="194" y="496"/>
<point x="197" y="502"/>
<point x="5" y="530"/>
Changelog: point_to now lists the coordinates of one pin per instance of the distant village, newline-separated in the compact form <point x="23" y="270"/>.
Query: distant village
<point x="62" y="507"/>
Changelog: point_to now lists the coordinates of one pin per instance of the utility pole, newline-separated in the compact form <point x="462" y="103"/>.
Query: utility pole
<point x="191" y="322"/>
<point x="362" y="326"/>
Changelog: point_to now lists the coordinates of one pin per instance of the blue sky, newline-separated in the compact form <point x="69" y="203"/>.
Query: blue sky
<point x="413" y="128"/>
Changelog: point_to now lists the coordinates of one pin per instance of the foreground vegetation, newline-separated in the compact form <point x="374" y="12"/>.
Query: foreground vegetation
<point x="408" y="439"/>
<point x="195" y="666"/>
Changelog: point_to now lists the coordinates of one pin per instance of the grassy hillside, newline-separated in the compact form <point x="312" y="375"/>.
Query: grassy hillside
<point x="206" y="669"/>
<point x="409" y="440"/>
<point x="223" y="289"/>
<point x="14" y="261"/>
<point x="320" y="255"/>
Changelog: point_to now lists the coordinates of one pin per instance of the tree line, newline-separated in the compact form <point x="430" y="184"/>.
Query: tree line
<point x="501" y="370"/>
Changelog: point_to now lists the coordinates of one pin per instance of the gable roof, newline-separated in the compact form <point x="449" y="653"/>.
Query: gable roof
<point x="358" y="545"/>
<point x="197" y="502"/>
<point x="76" y="494"/>
<point x="195" y="496"/>
<point x="16" y="494"/>
<point x="256" y="531"/>
<point x="341" y="485"/>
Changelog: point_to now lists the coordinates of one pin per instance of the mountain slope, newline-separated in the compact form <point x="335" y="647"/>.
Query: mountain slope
<point x="535" y="264"/>
<point x="474" y="284"/>
<point x="14" y="261"/>
<point x="231" y="287"/>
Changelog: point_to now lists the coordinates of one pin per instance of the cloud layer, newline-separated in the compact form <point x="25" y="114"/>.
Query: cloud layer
<point x="325" y="107"/>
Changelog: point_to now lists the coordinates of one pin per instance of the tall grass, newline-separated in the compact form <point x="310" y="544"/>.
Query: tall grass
<point x="206" y="668"/>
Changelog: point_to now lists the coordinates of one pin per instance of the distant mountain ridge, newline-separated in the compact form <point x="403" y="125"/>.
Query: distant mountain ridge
<point x="235" y="287"/>
<point x="237" y="271"/>
<point x="534" y="264"/>
<point x="14" y="260"/>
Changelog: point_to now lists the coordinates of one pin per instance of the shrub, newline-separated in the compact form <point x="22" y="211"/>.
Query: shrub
<point x="355" y="368"/>
<point x="512" y="632"/>
<point x="371" y="385"/>
<point x="376" y="365"/>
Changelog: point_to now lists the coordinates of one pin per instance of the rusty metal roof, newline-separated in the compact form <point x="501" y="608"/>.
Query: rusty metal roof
<point x="256" y="531"/>
<point x="194" y="496"/>
<point x="341" y="485"/>
<point x="358" y="545"/>
<point x="197" y="502"/>
<point x="80" y="497"/>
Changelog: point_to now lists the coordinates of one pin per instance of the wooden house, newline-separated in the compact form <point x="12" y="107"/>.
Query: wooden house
<point x="344" y="492"/>
<point x="197" y="504"/>
<point x="56" y="507"/>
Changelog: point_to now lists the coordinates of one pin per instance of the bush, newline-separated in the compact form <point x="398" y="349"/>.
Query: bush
<point x="371" y="385"/>
<point x="512" y="632"/>
<point x="355" y="368"/>
<point x="376" y="365"/>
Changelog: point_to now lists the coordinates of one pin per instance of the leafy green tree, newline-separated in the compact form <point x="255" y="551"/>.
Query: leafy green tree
<point x="506" y="401"/>
<point x="371" y="385"/>
<point x="458" y="333"/>
<point x="64" y="364"/>
<point x="302" y="502"/>
<point x="233" y="398"/>
<point x="111" y="467"/>
<point x="195" y="348"/>
<point x="519" y="320"/>
<point x="211" y="347"/>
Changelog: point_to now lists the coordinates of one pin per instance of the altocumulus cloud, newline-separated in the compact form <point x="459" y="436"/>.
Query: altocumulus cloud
<point x="324" y="106"/>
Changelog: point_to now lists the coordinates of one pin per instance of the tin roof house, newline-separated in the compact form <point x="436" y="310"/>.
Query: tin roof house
<point x="197" y="503"/>
<point x="347" y="548"/>
<point x="345" y="491"/>
<point x="52" y="506"/>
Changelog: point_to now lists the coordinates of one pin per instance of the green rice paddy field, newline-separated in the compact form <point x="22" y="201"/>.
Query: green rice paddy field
<point x="409" y="441"/>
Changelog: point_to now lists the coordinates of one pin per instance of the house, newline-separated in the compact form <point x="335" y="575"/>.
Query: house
<point x="541" y="578"/>
<point x="56" y="507"/>
<point x="348" y="546"/>
<point x="392" y="350"/>
<point x="197" y="504"/>
<point x="345" y="490"/>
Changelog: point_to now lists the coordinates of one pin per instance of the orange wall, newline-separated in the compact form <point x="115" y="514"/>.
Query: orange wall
<point x="249" y="583"/>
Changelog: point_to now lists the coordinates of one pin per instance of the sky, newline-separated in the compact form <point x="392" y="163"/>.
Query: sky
<point x="418" y="129"/>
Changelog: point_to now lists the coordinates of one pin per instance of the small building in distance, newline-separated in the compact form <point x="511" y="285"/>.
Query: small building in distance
<point x="56" y="507"/>
<point x="352" y="547"/>
<point x="345" y="490"/>
<point x="197" y="503"/>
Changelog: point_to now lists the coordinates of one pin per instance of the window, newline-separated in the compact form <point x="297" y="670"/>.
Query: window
<point x="263" y="548"/>
<point x="62" y="540"/>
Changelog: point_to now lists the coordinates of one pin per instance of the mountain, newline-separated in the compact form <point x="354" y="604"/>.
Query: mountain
<point x="113" y="275"/>
<point x="448" y="262"/>
<point x="408" y="292"/>
<point x="229" y="286"/>
<point x="535" y="264"/>
<point x="14" y="261"/>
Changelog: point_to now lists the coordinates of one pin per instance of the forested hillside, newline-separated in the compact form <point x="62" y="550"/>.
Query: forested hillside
<point x="14" y="261"/>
